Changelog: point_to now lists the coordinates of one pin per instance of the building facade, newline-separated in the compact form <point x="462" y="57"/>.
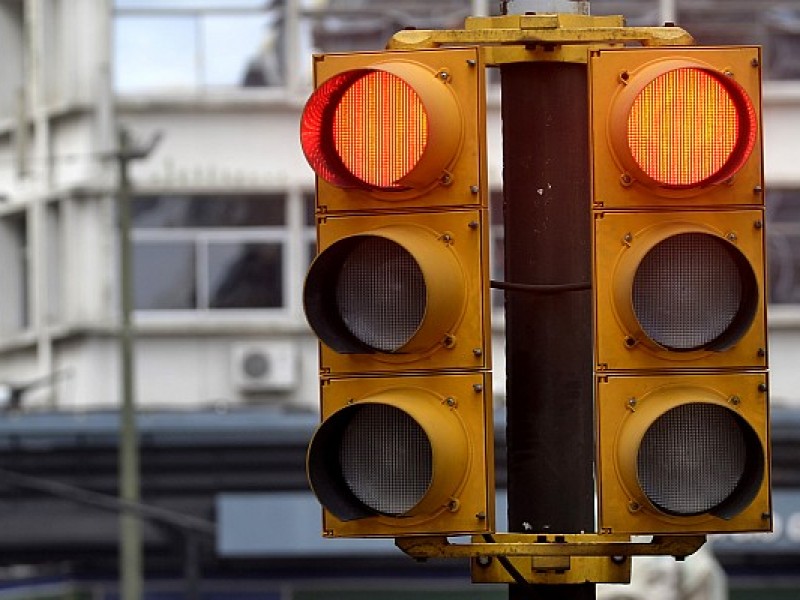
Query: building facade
<point x="222" y="214"/>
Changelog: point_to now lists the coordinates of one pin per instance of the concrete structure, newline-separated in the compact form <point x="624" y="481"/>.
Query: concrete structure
<point x="225" y="86"/>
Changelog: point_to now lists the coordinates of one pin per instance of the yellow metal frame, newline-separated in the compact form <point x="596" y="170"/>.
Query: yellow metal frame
<point x="545" y="37"/>
<point x="551" y="558"/>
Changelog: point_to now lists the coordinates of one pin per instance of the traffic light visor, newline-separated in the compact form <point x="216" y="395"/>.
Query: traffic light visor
<point x="396" y="289"/>
<point x="392" y="127"/>
<point x="398" y="453"/>
<point x="681" y="125"/>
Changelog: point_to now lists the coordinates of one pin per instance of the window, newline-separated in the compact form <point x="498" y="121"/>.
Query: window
<point x="309" y="220"/>
<point x="783" y="245"/>
<point x="176" y="45"/>
<point x="12" y="34"/>
<point x="14" y="274"/>
<point x="210" y="252"/>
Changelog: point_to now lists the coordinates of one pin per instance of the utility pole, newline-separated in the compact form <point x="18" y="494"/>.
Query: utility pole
<point x="130" y="545"/>
<point x="546" y="197"/>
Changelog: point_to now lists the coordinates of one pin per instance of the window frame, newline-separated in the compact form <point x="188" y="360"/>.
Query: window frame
<point x="782" y="313"/>
<point x="291" y="236"/>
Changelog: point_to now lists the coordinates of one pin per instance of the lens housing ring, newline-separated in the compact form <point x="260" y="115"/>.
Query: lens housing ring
<point x="635" y="84"/>
<point x="444" y="130"/>
<point x="637" y="329"/>
<point x="645" y="415"/>
<point x="444" y="289"/>
<point x="449" y="450"/>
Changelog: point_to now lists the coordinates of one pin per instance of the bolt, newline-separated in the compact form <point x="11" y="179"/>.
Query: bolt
<point x="630" y="342"/>
<point x="471" y="62"/>
<point x="762" y="387"/>
<point x="766" y="516"/>
<point x="473" y="225"/>
<point x="447" y="238"/>
<point x="453" y="505"/>
<point x="761" y="352"/>
<point x="626" y="180"/>
<point x="450" y="401"/>
<point x="758" y="189"/>
<point x="632" y="403"/>
<point x="758" y="224"/>
<point x="446" y="179"/>
<point x="449" y="341"/>
<point x="728" y="73"/>
<point x="443" y="75"/>
<point x="624" y="76"/>
<point x="732" y="236"/>
<point x="474" y="189"/>
<point x="483" y="561"/>
<point x="634" y="506"/>
<point x="477" y="388"/>
<point x="481" y="516"/>
<point x="754" y="63"/>
<point x="735" y="400"/>
<point x="477" y="352"/>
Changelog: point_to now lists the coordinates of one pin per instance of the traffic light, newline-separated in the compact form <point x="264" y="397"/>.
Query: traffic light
<point x="678" y="278"/>
<point x="399" y="293"/>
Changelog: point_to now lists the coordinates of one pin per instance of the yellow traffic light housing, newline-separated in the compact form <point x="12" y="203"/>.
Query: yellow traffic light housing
<point x="404" y="456"/>
<point x="679" y="295"/>
<point x="684" y="453"/>
<point x="676" y="127"/>
<point x="401" y="292"/>
<point x="398" y="294"/>
<point x="680" y="289"/>
<point x="394" y="129"/>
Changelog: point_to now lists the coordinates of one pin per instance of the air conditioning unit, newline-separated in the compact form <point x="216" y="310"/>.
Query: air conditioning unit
<point x="264" y="366"/>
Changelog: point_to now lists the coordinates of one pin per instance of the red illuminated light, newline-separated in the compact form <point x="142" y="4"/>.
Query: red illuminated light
<point x="380" y="129"/>
<point x="365" y="128"/>
<point x="690" y="127"/>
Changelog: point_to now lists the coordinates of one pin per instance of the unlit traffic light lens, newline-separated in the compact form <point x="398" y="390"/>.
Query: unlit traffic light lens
<point x="697" y="457"/>
<point x="690" y="127"/>
<point x="386" y="459"/>
<point x="694" y="291"/>
<point x="381" y="294"/>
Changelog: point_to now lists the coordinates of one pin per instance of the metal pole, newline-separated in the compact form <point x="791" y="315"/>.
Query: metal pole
<point x="130" y="525"/>
<point x="546" y="206"/>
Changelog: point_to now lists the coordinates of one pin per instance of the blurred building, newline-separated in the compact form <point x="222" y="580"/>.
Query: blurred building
<point x="222" y="235"/>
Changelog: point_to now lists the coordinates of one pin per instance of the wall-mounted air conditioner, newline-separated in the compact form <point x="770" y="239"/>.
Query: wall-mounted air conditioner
<point x="264" y="366"/>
